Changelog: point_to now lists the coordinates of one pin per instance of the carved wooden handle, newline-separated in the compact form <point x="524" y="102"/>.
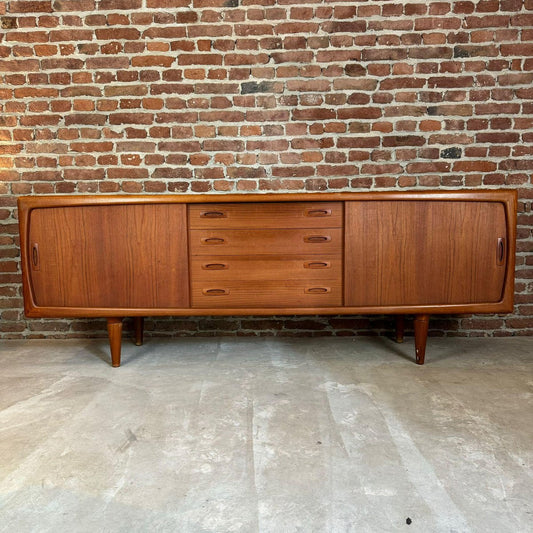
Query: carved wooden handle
<point x="318" y="213"/>
<point x="213" y="240"/>
<point x="215" y="292"/>
<point x="35" y="256"/>
<point x="317" y="238"/>
<point x="317" y="290"/>
<point x="214" y="266"/>
<point x="500" y="257"/>
<point x="212" y="214"/>
<point x="317" y="264"/>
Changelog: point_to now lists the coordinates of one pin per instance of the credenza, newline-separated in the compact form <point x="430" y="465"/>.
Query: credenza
<point x="400" y="253"/>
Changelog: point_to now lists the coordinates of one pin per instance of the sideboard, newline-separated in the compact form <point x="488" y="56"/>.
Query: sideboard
<point x="401" y="253"/>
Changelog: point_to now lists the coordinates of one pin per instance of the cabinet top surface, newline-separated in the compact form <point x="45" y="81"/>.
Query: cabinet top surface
<point x="496" y="195"/>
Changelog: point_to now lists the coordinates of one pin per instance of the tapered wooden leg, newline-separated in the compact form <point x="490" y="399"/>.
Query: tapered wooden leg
<point x="400" y="327"/>
<point x="421" y="335"/>
<point x="138" y="324"/>
<point x="114" y="330"/>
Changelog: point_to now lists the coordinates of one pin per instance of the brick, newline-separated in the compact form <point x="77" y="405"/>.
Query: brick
<point x="114" y="5"/>
<point x="113" y="34"/>
<point x="152" y="61"/>
<point x="474" y="166"/>
<point x="266" y="96"/>
<point x="30" y="6"/>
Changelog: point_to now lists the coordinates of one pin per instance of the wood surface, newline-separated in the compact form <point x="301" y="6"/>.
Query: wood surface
<point x="439" y="253"/>
<point x="110" y="256"/>
<point x="265" y="241"/>
<point x="266" y="293"/>
<point x="138" y="328"/>
<point x="421" y="324"/>
<point x="416" y="252"/>
<point x="400" y="328"/>
<point x="265" y="215"/>
<point x="273" y="267"/>
<point x="114" y="330"/>
<point x="29" y="204"/>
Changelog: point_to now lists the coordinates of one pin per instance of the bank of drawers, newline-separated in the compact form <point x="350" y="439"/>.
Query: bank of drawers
<point x="266" y="254"/>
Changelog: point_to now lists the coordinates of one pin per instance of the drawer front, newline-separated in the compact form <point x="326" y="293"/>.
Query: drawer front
<point x="298" y="267"/>
<point x="266" y="241"/>
<point x="266" y="215"/>
<point x="269" y="294"/>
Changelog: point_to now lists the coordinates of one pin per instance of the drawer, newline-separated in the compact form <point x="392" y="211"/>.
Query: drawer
<point x="265" y="241"/>
<point x="266" y="267"/>
<point x="270" y="294"/>
<point x="266" y="215"/>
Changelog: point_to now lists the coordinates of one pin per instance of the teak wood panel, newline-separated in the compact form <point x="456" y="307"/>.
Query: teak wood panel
<point x="109" y="256"/>
<point x="265" y="241"/>
<point x="424" y="253"/>
<point x="266" y="293"/>
<point x="271" y="267"/>
<point x="266" y="215"/>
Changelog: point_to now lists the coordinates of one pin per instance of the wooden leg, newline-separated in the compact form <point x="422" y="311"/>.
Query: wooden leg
<point x="138" y="324"/>
<point x="421" y="335"/>
<point x="400" y="327"/>
<point x="114" y="329"/>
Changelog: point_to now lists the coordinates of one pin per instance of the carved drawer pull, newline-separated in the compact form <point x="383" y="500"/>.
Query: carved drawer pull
<point x="213" y="214"/>
<point x="215" y="292"/>
<point x="317" y="264"/>
<point x="317" y="238"/>
<point x="215" y="266"/>
<point x="318" y="213"/>
<point x="500" y="258"/>
<point x="317" y="290"/>
<point x="213" y="240"/>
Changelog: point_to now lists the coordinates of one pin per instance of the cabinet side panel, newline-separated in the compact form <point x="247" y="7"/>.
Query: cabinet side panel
<point x="424" y="252"/>
<point x="110" y="256"/>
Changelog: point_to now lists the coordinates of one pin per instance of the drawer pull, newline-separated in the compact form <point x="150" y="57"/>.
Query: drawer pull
<point x="317" y="264"/>
<point x="317" y="290"/>
<point x="317" y="238"/>
<point x="318" y="213"/>
<point x="213" y="240"/>
<point x="214" y="266"/>
<point x="215" y="292"/>
<point x="212" y="214"/>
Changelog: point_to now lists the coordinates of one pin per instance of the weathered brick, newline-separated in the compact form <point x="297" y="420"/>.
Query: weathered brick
<point x="306" y="97"/>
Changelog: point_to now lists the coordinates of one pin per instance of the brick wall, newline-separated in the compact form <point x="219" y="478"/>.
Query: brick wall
<point x="189" y="96"/>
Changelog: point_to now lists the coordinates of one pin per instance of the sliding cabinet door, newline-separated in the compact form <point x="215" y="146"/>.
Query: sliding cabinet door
<point x="424" y="252"/>
<point x="109" y="256"/>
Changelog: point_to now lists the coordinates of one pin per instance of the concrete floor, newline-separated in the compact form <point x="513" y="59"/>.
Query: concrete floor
<point x="267" y="435"/>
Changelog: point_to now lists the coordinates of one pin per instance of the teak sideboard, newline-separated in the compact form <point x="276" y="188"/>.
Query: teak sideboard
<point x="398" y="253"/>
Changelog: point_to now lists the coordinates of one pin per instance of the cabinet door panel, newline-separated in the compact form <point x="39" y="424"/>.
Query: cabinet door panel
<point x="424" y="252"/>
<point x="109" y="256"/>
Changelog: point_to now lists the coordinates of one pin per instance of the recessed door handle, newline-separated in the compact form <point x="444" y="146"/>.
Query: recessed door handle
<point x="35" y="256"/>
<point x="500" y="253"/>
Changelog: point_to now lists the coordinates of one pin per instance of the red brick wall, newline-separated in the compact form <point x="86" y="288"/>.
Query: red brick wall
<point x="156" y="96"/>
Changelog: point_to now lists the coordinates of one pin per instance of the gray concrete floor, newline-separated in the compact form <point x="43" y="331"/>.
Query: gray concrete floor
<point x="267" y="435"/>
